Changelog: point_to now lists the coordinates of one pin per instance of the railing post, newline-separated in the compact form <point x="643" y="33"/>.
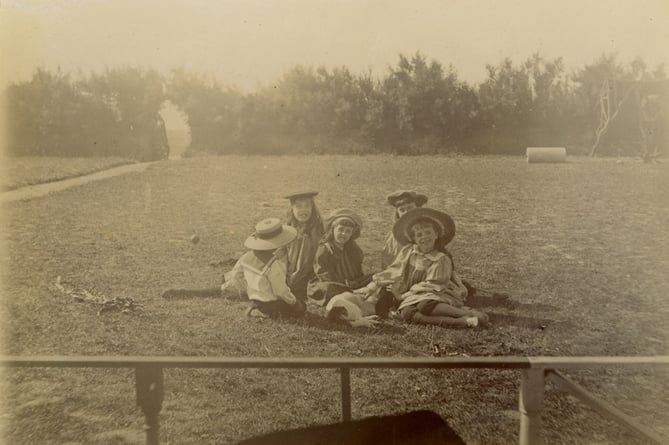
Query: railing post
<point x="530" y="405"/>
<point x="149" y="386"/>
<point x="345" y="394"/>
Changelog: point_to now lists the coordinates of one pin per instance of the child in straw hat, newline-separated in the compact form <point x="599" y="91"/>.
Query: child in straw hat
<point x="422" y="277"/>
<point x="262" y="270"/>
<point x="338" y="261"/>
<point x="303" y="215"/>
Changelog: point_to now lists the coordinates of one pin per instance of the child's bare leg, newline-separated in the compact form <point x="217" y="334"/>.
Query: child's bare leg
<point x="440" y="320"/>
<point x="446" y="310"/>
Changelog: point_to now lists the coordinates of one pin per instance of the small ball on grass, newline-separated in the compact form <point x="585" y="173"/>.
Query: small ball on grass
<point x="194" y="239"/>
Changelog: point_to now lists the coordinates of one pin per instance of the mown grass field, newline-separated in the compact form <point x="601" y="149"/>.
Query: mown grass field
<point x="22" y="171"/>
<point x="582" y="247"/>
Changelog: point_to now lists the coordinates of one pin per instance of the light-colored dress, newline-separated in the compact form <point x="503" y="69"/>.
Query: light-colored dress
<point x="415" y="276"/>
<point x="300" y="259"/>
<point x="263" y="282"/>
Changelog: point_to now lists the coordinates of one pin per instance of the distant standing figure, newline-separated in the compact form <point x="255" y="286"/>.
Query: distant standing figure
<point x="160" y="144"/>
<point x="651" y="126"/>
<point x="402" y="201"/>
<point x="304" y="216"/>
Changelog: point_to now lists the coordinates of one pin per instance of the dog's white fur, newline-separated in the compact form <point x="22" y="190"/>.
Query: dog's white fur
<point x="358" y="311"/>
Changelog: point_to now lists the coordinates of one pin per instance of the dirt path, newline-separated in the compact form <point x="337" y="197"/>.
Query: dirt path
<point x="35" y="191"/>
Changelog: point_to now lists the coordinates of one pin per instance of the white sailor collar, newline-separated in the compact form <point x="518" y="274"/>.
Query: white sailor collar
<point x="435" y="255"/>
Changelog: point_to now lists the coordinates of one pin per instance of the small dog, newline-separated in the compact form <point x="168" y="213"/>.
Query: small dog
<point x="351" y="308"/>
<point x="414" y="428"/>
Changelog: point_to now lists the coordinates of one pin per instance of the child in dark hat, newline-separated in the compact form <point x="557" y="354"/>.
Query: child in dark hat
<point x="338" y="261"/>
<point x="262" y="270"/>
<point x="402" y="201"/>
<point x="422" y="277"/>
<point x="304" y="216"/>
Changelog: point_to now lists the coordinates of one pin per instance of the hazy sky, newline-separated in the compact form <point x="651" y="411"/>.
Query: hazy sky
<point x="252" y="42"/>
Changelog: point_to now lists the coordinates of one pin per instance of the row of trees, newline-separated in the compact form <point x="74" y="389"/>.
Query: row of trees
<point x="419" y="106"/>
<point x="110" y="114"/>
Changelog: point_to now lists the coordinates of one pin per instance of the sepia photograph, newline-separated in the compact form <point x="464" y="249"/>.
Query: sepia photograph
<point x="319" y="222"/>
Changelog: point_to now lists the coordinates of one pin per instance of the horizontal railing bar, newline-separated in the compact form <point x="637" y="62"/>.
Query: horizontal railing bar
<point x="263" y="362"/>
<point x="604" y="408"/>
<point x="331" y="362"/>
<point x="658" y="361"/>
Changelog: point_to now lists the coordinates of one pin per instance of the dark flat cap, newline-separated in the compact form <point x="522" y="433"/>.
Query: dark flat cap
<point x="402" y="196"/>
<point x="301" y="194"/>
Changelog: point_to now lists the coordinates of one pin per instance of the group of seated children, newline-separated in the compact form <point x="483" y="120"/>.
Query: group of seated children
<point x="288" y="263"/>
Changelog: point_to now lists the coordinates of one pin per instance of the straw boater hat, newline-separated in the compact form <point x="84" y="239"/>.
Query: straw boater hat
<point x="270" y="234"/>
<point x="345" y="214"/>
<point x="301" y="194"/>
<point x="400" y="197"/>
<point x="444" y="224"/>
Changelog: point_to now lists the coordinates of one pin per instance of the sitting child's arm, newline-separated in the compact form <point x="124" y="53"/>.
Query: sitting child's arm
<point x="277" y="278"/>
<point x="234" y="280"/>
<point x="362" y="281"/>
<point x="358" y="277"/>
<point x="322" y="266"/>
<point x="391" y="275"/>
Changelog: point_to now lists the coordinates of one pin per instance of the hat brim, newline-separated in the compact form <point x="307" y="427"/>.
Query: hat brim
<point x="301" y="194"/>
<point x="287" y="235"/>
<point x="444" y="223"/>
<point x="346" y="214"/>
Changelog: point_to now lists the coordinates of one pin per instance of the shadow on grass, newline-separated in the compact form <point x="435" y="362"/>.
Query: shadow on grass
<point x="312" y="320"/>
<point x="535" y="323"/>
<point x="489" y="301"/>
<point x="534" y="307"/>
<point x="479" y="301"/>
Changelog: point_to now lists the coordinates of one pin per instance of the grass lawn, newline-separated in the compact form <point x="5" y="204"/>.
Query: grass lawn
<point x="29" y="170"/>
<point x="582" y="247"/>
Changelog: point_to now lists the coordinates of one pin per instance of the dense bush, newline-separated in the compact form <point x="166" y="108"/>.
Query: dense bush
<point x="418" y="107"/>
<point x="114" y="114"/>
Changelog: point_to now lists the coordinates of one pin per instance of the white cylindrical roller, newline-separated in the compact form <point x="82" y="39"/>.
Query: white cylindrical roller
<point x="546" y="154"/>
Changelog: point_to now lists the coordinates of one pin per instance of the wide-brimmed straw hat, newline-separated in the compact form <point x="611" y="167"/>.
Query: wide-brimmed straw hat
<point x="270" y="234"/>
<point x="400" y="197"/>
<point x="346" y="214"/>
<point x="444" y="224"/>
<point x="301" y="194"/>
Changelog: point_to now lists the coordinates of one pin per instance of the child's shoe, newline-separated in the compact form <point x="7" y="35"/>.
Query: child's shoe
<point x="472" y="322"/>
<point x="482" y="316"/>
<point x="254" y="312"/>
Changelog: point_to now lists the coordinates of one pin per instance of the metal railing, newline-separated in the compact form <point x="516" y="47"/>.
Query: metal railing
<point x="535" y="371"/>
